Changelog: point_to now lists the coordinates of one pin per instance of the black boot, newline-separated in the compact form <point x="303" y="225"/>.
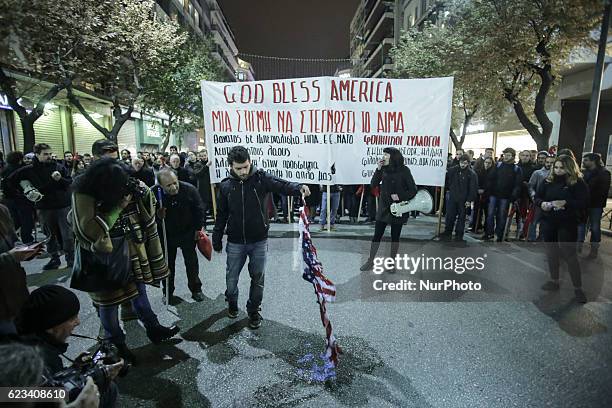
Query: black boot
<point x="126" y="354"/>
<point x="160" y="333"/>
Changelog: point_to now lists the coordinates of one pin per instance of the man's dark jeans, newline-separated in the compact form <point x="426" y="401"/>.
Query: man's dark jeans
<point x="236" y="258"/>
<point x="56" y="222"/>
<point x="498" y="213"/>
<point x="455" y="211"/>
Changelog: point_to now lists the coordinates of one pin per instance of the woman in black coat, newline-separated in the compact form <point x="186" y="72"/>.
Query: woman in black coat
<point x="397" y="185"/>
<point x="562" y="197"/>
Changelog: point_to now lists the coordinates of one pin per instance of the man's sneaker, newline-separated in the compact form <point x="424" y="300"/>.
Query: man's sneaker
<point x="198" y="296"/>
<point x="232" y="311"/>
<point x="580" y="296"/>
<point x="333" y="227"/>
<point x="54" y="263"/>
<point x="254" y="320"/>
<point x="487" y="237"/>
<point x="159" y="333"/>
<point x="551" y="286"/>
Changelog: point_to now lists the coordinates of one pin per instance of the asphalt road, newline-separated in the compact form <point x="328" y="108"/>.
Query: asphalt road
<point x="510" y="344"/>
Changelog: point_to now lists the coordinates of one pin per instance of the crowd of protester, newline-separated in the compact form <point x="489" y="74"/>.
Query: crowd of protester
<point x="131" y="213"/>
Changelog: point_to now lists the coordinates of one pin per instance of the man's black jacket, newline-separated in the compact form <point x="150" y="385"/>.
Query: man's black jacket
<point x="598" y="181"/>
<point x="242" y="206"/>
<point x="462" y="184"/>
<point x="505" y="181"/>
<point x="145" y="174"/>
<point x="184" y="212"/>
<point x="56" y="194"/>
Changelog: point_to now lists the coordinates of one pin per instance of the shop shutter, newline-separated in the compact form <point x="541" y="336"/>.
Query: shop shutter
<point x="126" y="139"/>
<point x="84" y="133"/>
<point x="48" y="129"/>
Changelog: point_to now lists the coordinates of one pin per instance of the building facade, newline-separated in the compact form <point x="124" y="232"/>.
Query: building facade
<point x="65" y="129"/>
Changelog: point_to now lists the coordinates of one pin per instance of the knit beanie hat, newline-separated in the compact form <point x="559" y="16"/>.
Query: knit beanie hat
<point x="47" y="307"/>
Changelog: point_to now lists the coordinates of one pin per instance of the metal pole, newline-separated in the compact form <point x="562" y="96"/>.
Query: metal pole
<point x="360" y="204"/>
<point x="589" y="138"/>
<point x="214" y="201"/>
<point x="328" y="209"/>
<point x="440" y="210"/>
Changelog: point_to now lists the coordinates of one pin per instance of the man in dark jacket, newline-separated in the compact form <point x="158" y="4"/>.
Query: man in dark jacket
<point x="22" y="209"/>
<point x="181" y="172"/>
<point x="48" y="318"/>
<point x="142" y="172"/>
<point x="504" y="186"/>
<point x="598" y="179"/>
<point x="242" y="209"/>
<point x="524" y="200"/>
<point x="47" y="183"/>
<point x="202" y="174"/>
<point x="180" y="210"/>
<point x="462" y="183"/>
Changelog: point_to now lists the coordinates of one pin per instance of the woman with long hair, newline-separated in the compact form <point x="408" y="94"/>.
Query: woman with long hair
<point x="396" y="185"/>
<point x="562" y="198"/>
<point x="113" y="218"/>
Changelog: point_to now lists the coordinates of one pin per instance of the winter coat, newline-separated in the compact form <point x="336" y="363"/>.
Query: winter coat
<point x="598" y="181"/>
<point x="184" y="212"/>
<point x="462" y="184"/>
<point x="577" y="197"/>
<point x="56" y="194"/>
<point x="505" y="181"/>
<point x="242" y="206"/>
<point x="393" y="181"/>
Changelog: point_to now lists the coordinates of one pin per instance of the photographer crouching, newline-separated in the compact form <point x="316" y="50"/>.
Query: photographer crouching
<point x="46" y="320"/>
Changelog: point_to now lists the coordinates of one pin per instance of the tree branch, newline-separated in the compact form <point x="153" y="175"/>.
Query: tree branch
<point x="75" y="101"/>
<point x="453" y="137"/>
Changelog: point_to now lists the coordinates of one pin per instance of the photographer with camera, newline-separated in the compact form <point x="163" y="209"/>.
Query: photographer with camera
<point x="48" y="318"/>
<point x="113" y="217"/>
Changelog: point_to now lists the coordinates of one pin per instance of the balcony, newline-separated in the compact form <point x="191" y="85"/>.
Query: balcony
<point x="382" y="30"/>
<point x="379" y="53"/>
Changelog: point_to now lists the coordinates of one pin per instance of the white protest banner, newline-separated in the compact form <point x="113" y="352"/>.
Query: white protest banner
<point x="298" y="129"/>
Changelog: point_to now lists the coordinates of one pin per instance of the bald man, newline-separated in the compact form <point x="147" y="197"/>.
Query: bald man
<point x="183" y="173"/>
<point x="180" y="206"/>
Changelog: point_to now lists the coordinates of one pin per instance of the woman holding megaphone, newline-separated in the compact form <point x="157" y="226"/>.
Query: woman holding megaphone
<point x="396" y="185"/>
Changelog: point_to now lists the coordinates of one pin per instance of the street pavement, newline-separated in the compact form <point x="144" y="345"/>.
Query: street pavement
<point x="513" y="346"/>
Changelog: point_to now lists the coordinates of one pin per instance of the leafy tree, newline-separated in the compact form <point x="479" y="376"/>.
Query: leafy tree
<point x="47" y="41"/>
<point x="525" y="44"/>
<point x="135" y="46"/>
<point x="438" y="51"/>
<point x="175" y="88"/>
<point x="501" y="49"/>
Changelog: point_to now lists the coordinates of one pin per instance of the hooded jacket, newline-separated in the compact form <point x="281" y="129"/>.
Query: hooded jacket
<point x="242" y="206"/>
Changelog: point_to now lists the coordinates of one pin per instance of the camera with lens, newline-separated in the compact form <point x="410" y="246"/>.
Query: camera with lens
<point x="73" y="379"/>
<point x="135" y="189"/>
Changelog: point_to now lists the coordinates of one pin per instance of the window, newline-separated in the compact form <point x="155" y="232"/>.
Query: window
<point x="196" y="17"/>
